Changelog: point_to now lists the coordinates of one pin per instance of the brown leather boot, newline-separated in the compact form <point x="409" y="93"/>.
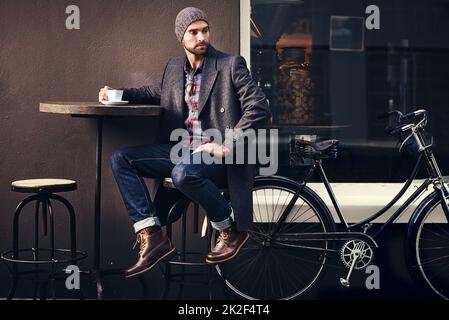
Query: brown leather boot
<point x="154" y="246"/>
<point x="228" y="245"/>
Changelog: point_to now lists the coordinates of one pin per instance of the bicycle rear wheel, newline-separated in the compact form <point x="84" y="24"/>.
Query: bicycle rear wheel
<point x="431" y="248"/>
<point x="270" y="265"/>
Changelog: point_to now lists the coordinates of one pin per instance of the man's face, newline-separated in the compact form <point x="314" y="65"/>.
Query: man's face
<point x="196" y="38"/>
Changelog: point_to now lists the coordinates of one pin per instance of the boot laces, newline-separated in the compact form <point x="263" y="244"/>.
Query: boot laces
<point x="223" y="237"/>
<point x="225" y="234"/>
<point x="142" y="240"/>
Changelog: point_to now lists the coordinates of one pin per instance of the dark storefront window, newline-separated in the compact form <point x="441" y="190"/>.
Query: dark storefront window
<point x="328" y="76"/>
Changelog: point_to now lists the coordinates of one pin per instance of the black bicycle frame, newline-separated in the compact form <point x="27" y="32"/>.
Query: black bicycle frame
<point x="434" y="178"/>
<point x="382" y="211"/>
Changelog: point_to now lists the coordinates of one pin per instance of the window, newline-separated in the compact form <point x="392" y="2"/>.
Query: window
<point x="327" y="76"/>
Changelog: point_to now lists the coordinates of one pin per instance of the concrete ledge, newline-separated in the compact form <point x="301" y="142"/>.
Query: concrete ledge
<point x="357" y="201"/>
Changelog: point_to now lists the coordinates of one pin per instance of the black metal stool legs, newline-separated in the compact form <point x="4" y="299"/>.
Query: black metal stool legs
<point x="36" y="247"/>
<point x="44" y="206"/>
<point x="183" y="254"/>
<point x="48" y="209"/>
<point x="72" y="223"/>
<point x="179" y="210"/>
<point x="167" y="270"/>
<point x="15" y="266"/>
<point x="166" y="289"/>
<point x="172" y="216"/>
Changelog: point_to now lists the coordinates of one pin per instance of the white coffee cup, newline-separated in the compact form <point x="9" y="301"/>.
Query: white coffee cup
<point x="115" y="95"/>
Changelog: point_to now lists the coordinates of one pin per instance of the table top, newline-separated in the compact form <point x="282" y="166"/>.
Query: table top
<point x="97" y="109"/>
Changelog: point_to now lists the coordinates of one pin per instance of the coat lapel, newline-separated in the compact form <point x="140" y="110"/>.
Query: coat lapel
<point x="177" y="84"/>
<point x="176" y="80"/>
<point x="210" y="74"/>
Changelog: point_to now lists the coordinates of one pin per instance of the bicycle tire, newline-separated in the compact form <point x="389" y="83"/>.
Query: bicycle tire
<point x="272" y="271"/>
<point x="429" y="247"/>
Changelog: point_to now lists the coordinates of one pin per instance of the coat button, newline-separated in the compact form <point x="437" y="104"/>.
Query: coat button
<point x="222" y="110"/>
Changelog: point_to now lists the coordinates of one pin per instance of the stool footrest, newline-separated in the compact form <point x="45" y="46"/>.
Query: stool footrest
<point x="42" y="275"/>
<point x="177" y="260"/>
<point x="8" y="256"/>
<point x="182" y="263"/>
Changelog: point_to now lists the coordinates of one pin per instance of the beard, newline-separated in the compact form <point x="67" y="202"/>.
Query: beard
<point x="198" y="51"/>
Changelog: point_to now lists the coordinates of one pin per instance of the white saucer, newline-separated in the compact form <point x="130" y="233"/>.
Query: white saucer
<point x="114" y="103"/>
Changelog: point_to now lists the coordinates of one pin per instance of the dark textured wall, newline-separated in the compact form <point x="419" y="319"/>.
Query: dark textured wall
<point x="120" y="43"/>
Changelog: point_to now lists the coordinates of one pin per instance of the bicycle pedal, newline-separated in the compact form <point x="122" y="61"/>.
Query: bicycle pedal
<point x="345" y="283"/>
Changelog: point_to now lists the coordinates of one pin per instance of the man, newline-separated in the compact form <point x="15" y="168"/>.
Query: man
<point x="205" y="89"/>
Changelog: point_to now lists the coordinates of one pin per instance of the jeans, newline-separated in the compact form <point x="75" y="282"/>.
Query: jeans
<point x="199" y="182"/>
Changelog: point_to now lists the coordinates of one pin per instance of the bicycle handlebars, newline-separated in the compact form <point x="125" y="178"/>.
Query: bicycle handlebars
<point x="408" y="128"/>
<point x="402" y="116"/>
<point x="400" y="126"/>
<point x="415" y="114"/>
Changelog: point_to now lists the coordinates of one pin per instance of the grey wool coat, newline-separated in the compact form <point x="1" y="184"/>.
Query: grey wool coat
<point x="229" y="98"/>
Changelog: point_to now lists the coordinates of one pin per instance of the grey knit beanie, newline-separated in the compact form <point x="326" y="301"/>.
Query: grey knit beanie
<point x="185" y="18"/>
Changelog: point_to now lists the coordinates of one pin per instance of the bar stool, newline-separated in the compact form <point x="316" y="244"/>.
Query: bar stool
<point x="183" y="257"/>
<point x="42" y="191"/>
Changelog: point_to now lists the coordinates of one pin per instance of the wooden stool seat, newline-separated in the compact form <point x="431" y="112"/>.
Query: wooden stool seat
<point x="43" y="185"/>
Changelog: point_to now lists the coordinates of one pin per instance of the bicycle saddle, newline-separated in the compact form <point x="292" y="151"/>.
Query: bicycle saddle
<point x="321" y="146"/>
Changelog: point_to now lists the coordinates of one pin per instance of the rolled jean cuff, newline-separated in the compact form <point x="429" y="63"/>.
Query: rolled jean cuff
<point x="145" y="223"/>
<point x="221" y="225"/>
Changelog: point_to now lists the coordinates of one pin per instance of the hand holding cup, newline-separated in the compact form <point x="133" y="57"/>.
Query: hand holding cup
<point x="103" y="94"/>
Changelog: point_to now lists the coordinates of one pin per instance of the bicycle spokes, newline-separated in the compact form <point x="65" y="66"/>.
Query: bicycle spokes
<point x="432" y="250"/>
<point x="270" y="266"/>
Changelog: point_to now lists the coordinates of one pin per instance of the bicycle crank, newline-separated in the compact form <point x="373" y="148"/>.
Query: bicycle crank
<point x="355" y="254"/>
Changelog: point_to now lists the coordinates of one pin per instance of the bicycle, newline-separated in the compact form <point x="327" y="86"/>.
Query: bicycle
<point x="294" y="233"/>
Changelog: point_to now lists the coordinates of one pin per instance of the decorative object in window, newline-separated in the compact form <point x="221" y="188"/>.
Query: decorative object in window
<point x="347" y="33"/>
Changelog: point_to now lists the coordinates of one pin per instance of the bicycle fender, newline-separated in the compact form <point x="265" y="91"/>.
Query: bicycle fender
<point x="276" y="178"/>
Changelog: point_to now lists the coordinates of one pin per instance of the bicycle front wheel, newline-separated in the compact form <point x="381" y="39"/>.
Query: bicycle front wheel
<point x="431" y="248"/>
<point x="272" y="265"/>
